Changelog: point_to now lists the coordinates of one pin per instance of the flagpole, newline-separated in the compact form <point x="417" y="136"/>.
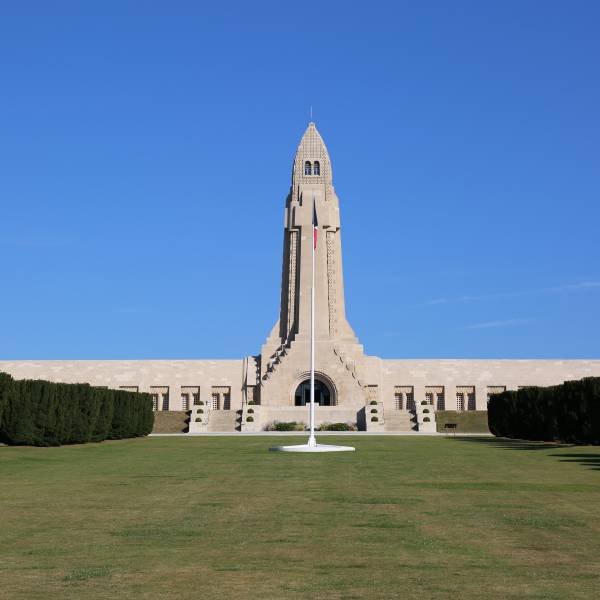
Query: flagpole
<point x="312" y="445"/>
<point x="311" y="440"/>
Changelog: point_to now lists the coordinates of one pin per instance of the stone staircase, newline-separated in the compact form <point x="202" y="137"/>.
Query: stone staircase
<point x="399" y="420"/>
<point x="276" y="359"/>
<point x="285" y="362"/>
<point x="222" y="420"/>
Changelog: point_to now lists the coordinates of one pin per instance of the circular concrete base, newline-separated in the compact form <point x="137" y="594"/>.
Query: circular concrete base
<point x="307" y="448"/>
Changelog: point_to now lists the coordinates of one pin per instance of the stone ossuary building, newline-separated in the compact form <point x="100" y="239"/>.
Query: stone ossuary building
<point x="276" y="380"/>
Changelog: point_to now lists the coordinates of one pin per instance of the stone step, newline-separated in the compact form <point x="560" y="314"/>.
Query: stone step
<point x="398" y="420"/>
<point x="222" y="420"/>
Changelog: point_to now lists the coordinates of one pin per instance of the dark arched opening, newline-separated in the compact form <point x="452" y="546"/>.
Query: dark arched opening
<point x="307" y="168"/>
<point x="316" y="168"/>
<point x="322" y="394"/>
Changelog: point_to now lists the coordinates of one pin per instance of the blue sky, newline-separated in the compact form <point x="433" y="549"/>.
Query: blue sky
<point x="146" y="152"/>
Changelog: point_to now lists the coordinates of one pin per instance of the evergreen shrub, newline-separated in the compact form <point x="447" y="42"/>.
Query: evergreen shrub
<point x="373" y="402"/>
<point x="249" y="419"/>
<point x="42" y="413"/>
<point x="568" y="413"/>
<point x="425" y="410"/>
<point x="373" y="419"/>
<point x="201" y="403"/>
<point x="251" y="402"/>
<point x="426" y="420"/>
<point x="198" y="420"/>
<point x="338" y="427"/>
<point x="423" y="402"/>
<point x="373" y="410"/>
<point x="200" y="411"/>
<point x="284" y="426"/>
<point x="250" y="410"/>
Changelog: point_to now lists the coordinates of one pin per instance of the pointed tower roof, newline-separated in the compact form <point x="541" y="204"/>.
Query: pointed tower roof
<point x="312" y="148"/>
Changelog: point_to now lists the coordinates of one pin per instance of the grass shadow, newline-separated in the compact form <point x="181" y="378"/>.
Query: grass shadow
<point x="511" y="444"/>
<point x="592" y="461"/>
<point x="585" y="460"/>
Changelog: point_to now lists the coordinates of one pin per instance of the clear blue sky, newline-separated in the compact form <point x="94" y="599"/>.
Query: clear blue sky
<point x="146" y="151"/>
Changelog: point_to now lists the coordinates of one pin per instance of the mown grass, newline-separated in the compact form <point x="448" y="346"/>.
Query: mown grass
<point x="220" y="517"/>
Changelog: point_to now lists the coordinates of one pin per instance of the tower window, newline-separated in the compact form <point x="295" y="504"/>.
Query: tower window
<point x="316" y="168"/>
<point x="307" y="168"/>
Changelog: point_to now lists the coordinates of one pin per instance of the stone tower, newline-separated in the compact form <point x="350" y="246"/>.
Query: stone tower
<point x="312" y="174"/>
<point x="339" y="359"/>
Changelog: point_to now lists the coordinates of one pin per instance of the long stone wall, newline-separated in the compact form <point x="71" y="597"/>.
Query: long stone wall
<point x="385" y="377"/>
<point x="143" y="374"/>
<point x="478" y="374"/>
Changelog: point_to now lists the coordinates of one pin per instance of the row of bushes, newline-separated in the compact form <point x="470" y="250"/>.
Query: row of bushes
<point x="293" y="426"/>
<point x="567" y="413"/>
<point x="42" y="413"/>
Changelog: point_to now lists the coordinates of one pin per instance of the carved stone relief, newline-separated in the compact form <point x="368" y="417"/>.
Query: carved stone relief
<point x="331" y="284"/>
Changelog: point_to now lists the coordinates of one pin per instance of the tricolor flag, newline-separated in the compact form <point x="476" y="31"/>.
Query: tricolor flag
<point x="315" y="222"/>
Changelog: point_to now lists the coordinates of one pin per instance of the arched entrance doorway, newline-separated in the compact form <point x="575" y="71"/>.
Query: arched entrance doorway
<point x="322" y="394"/>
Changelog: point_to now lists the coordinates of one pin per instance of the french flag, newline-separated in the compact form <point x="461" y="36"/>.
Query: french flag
<point x="315" y="223"/>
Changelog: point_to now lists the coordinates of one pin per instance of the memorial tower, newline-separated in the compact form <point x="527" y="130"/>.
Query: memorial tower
<point x="289" y="341"/>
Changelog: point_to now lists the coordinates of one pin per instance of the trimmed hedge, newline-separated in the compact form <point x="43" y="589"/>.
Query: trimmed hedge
<point x="285" y="426"/>
<point x="42" y="413"/>
<point x="568" y="413"/>
<point x="337" y="427"/>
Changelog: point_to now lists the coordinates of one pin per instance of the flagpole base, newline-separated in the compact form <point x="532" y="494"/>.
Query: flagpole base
<point x="307" y="448"/>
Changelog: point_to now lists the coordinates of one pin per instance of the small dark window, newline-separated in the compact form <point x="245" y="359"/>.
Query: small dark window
<point x="317" y="168"/>
<point x="307" y="168"/>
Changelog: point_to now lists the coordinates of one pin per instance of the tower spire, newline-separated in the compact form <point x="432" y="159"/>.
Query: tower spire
<point x="311" y="174"/>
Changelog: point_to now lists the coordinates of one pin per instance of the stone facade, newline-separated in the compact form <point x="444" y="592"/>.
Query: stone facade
<point x="360" y="387"/>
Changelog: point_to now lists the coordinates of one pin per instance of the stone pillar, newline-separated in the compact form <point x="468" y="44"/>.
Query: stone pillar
<point x="450" y="396"/>
<point x="480" y="396"/>
<point x="205" y="395"/>
<point x="237" y="396"/>
<point x="419" y="392"/>
<point x="175" y="397"/>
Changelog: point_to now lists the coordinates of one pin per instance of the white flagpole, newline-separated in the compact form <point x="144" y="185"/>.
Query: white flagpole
<point x="312" y="445"/>
<point x="311" y="440"/>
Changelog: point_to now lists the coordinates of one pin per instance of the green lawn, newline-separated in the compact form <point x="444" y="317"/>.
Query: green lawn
<point x="220" y="517"/>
